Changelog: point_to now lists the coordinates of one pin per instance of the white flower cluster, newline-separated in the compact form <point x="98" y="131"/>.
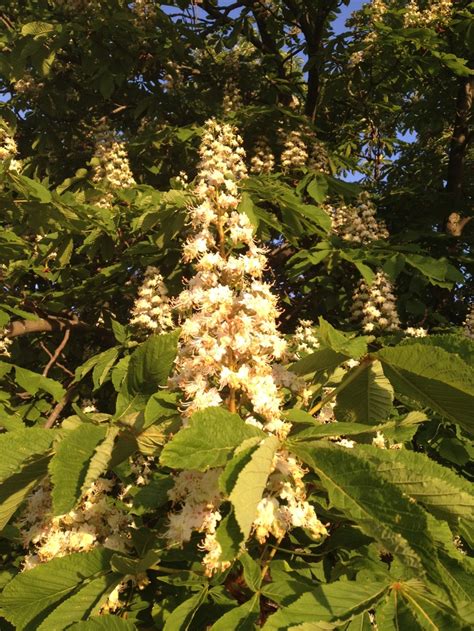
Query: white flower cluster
<point x="305" y="338"/>
<point x="232" y="99"/>
<point x="152" y="310"/>
<point x="358" y="223"/>
<point x="378" y="8"/>
<point x="141" y="467"/>
<point x="111" y="168"/>
<point x="28" y="85"/>
<point x="228" y="348"/>
<point x="469" y="323"/>
<point x="95" y="521"/>
<point x="263" y="159"/>
<point x="375" y="305"/>
<point x="5" y="343"/>
<point x="88" y="406"/>
<point x="284" y="505"/>
<point x="318" y="157"/>
<point x="198" y="497"/>
<point x="416" y="332"/>
<point x="8" y="148"/>
<point x="230" y="339"/>
<point x="437" y="13"/>
<point x="295" y="152"/>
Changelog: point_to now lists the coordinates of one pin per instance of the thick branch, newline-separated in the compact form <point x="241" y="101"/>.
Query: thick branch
<point x="462" y="136"/>
<point x="42" y="325"/>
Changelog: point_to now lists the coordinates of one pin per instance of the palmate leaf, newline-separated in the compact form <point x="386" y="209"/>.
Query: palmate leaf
<point x="183" y="615"/>
<point x="442" y="492"/>
<point x="379" y="508"/>
<point x="81" y="603"/>
<point x="68" y="467"/>
<point x="434" y="377"/>
<point x="332" y="602"/>
<point x="410" y="605"/>
<point x="367" y="399"/>
<point x="211" y="437"/>
<point x="18" y="446"/>
<point x="242" y="618"/>
<point x="32" y="595"/>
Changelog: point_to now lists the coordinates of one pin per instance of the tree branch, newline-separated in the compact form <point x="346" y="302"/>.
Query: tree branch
<point x="461" y="138"/>
<point x="57" y="352"/>
<point x="42" y="325"/>
<point x="59" y="407"/>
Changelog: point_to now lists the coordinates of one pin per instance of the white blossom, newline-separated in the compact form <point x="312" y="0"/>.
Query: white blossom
<point x="152" y="310"/>
<point x="111" y="165"/>
<point x="374" y="306"/>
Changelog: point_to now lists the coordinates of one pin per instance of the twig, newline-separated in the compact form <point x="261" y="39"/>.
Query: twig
<point x="57" y="352"/>
<point x="59" y="407"/>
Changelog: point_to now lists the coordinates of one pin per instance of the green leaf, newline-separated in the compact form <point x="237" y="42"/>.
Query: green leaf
<point x="252" y="571"/>
<point x="104" y="623"/>
<point x="153" y="495"/>
<point x="410" y="605"/>
<point x="183" y="615"/>
<point x="451" y="342"/>
<point x="101" y="458"/>
<point x="32" y="382"/>
<point x="17" y="487"/>
<point x="211" y="437"/>
<point x="367" y="399"/>
<point x="68" y="467"/>
<point x="161" y="405"/>
<point x="37" y="28"/>
<point x="243" y="618"/>
<point x="321" y="360"/>
<point x="18" y="447"/>
<point x="447" y="495"/>
<point x="338" y="601"/>
<point x="318" y="188"/>
<point x="247" y="207"/>
<point x="340" y="342"/>
<point x="81" y="603"/>
<point x="33" y="189"/>
<point x="103" y="366"/>
<point x="151" y="364"/>
<point x="433" y="377"/>
<point x="31" y="595"/>
<point x="380" y="508"/>
<point x="250" y="484"/>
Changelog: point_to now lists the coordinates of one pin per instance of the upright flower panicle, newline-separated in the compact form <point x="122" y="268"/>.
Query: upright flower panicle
<point x="152" y="310"/>
<point x="229" y="350"/>
<point x="263" y="159"/>
<point x="437" y="13"/>
<point x="295" y="152"/>
<point x="359" y="222"/>
<point x="112" y="168"/>
<point x="375" y="305"/>
<point x="230" y="337"/>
